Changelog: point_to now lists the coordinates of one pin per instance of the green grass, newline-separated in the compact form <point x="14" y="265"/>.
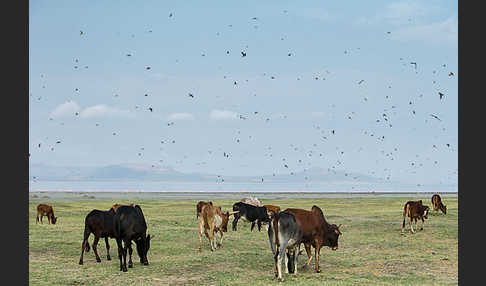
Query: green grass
<point x="371" y="250"/>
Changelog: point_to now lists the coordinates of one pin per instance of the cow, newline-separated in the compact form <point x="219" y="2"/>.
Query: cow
<point x="251" y="214"/>
<point x="45" y="210"/>
<point x="317" y="232"/>
<point x="212" y="219"/>
<point x="130" y="224"/>
<point x="199" y="206"/>
<point x="272" y="210"/>
<point x="116" y="206"/>
<point x="414" y="210"/>
<point x="101" y="224"/>
<point x="285" y="237"/>
<point x="437" y="204"/>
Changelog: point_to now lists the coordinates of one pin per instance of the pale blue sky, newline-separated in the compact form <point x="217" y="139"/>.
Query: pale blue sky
<point x="340" y="43"/>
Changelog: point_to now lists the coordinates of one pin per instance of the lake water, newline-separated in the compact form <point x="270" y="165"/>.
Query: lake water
<point x="150" y="186"/>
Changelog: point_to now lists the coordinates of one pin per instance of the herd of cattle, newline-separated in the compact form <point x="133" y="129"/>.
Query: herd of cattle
<point x="287" y="229"/>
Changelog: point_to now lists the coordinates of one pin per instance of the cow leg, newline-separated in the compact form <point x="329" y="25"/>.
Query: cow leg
<point x="221" y="241"/>
<point x="130" y="251"/>
<point x="108" y="257"/>
<point x="281" y="254"/>
<point x="411" y="227"/>
<point x="235" y="221"/>
<point x="201" y="229"/>
<point x="296" y="256"/>
<point x="259" y="223"/>
<point x="120" y="253"/>
<point x="318" y="248"/>
<point x="252" y="226"/>
<point x="309" y="253"/>
<point x="95" y="247"/>
<point x="208" y="237"/>
<point x="211" y="236"/>
<point x="37" y="219"/>
<point x="125" y="248"/>
<point x="422" y="228"/>
<point x="275" y="260"/>
<point x="41" y="219"/>
<point x="286" y="261"/>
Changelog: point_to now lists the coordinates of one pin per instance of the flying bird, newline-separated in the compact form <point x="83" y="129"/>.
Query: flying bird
<point x="451" y="74"/>
<point x="81" y="33"/>
<point x="243" y="54"/>
<point x="441" y="95"/>
<point x="150" y="108"/>
<point x="435" y="117"/>
<point x="170" y="15"/>
<point x="191" y="95"/>
<point x="361" y="81"/>
<point x="147" y="68"/>
<point x="415" y="64"/>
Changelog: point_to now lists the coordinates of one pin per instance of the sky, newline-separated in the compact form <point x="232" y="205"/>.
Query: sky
<point x="348" y="86"/>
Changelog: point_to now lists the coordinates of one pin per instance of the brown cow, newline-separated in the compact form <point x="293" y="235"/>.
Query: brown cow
<point x="317" y="232"/>
<point x="45" y="210"/>
<point x="199" y="207"/>
<point x="213" y="219"/>
<point x="437" y="204"/>
<point x="272" y="210"/>
<point x="414" y="210"/>
<point x="116" y="206"/>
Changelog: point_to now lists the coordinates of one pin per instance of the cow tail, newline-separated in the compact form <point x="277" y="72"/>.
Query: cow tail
<point x="86" y="234"/>
<point x="270" y="237"/>
<point x="275" y="233"/>
<point x="406" y="209"/>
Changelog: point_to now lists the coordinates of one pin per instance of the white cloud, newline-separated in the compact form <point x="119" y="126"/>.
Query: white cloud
<point x="180" y="116"/>
<point x="435" y="33"/>
<point x="65" y="109"/>
<point x="103" y="110"/>
<point x="399" y="13"/>
<point x="222" y="114"/>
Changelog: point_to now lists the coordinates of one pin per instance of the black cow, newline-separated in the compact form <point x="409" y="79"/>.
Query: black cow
<point x="250" y="213"/>
<point x="100" y="223"/>
<point x="129" y="224"/>
<point x="285" y="237"/>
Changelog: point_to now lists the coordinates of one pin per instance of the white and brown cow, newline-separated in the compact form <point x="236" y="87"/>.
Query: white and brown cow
<point x="211" y="221"/>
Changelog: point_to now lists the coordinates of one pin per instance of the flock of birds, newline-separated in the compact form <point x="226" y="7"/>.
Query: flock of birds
<point x="307" y="152"/>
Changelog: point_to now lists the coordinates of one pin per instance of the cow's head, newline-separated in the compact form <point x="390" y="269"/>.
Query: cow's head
<point x="332" y="236"/>
<point x="425" y="211"/>
<point x="54" y="219"/>
<point x="443" y="208"/>
<point x="143" y="246"/>
<point x="225" y="219"/>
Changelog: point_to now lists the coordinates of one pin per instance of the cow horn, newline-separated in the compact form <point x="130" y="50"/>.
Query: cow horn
<point x="339" y="225"/>
<point x="231" y="213"/>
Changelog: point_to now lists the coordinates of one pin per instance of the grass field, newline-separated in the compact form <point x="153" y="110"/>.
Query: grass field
<point x="371" y="250"/>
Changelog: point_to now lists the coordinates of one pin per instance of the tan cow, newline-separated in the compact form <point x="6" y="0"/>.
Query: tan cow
<point x="45" y="210"/>
<point x="211" y="221"/>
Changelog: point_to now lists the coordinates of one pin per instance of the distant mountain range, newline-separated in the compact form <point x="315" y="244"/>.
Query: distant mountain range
<point x="141" y="172"/>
